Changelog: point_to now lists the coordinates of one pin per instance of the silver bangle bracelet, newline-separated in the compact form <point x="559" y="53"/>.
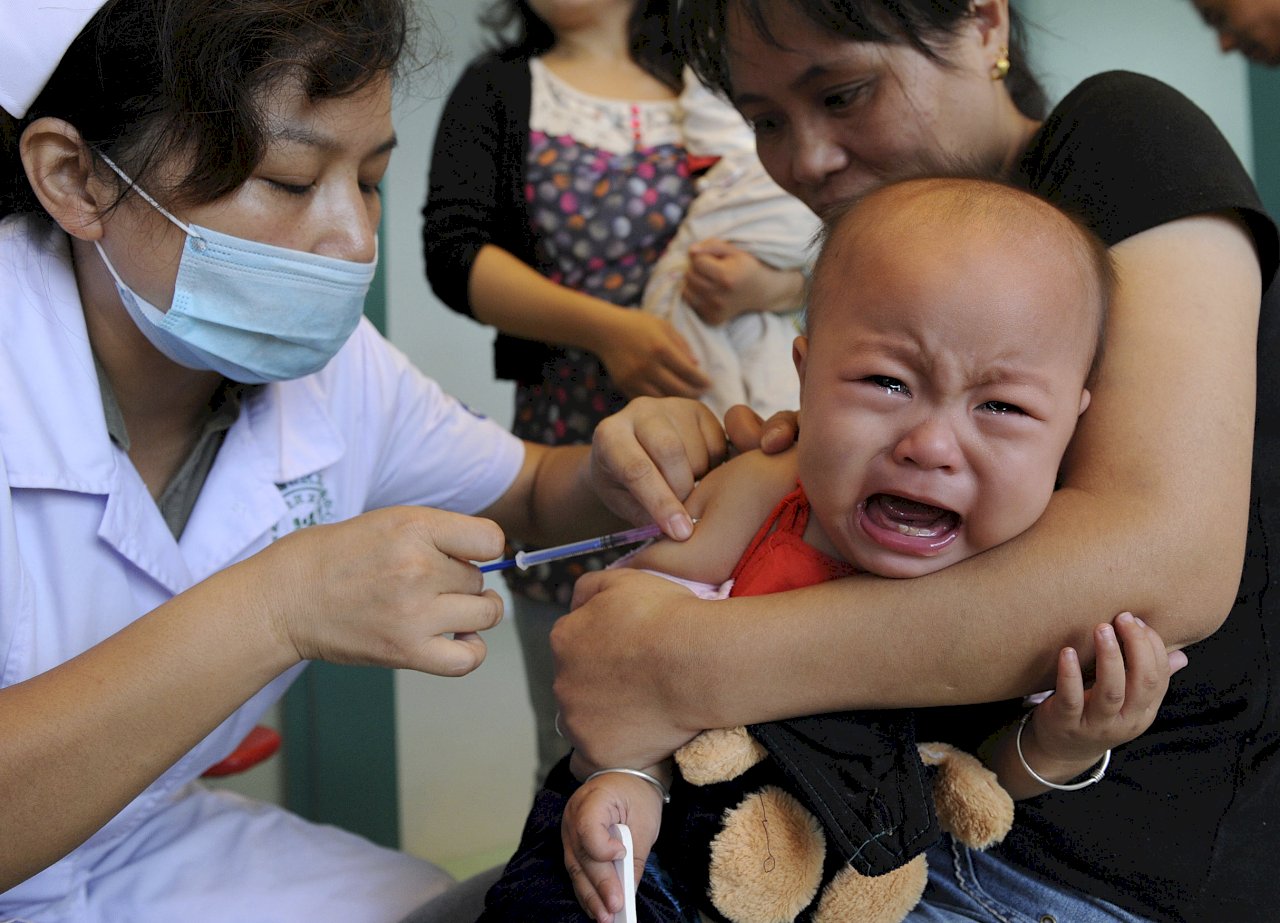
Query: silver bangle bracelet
<point x="1094" y="775"/>
<point x="639" y="774"/>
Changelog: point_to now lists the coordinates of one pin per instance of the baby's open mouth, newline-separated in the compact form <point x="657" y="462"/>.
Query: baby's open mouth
<point x="910" y="517"/>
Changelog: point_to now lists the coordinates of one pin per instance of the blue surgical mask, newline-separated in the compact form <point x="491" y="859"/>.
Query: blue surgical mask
<point x="250" y="311"/>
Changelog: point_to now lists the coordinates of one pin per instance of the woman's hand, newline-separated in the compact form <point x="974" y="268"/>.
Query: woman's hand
<point x="724" y="282"/>
<point x="643" y="354"/>
<point x="647" y="357"/>
<point x="394" y="588"/>
<point x="622" y="711"/>
<point x="646" y="458"/>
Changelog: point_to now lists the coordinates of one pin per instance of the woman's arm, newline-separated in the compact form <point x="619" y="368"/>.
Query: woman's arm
<point x="644" y="354"/>
<point x="1151" y="519"/>
<point x="81" y="740"/>
<point x="476" y="241"/>
<point x="392" y="588"/>
<point x="476" y="166"/>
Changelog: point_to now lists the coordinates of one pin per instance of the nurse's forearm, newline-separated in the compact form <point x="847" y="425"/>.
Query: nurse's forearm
<point x="79" y="742"/>
<point x="553" y="499"/>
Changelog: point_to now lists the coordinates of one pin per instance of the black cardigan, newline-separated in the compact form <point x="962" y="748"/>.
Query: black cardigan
<point x="476" y="194"/>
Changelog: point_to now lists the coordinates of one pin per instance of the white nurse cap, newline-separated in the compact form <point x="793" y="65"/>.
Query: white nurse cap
<point x="34" y="35"/>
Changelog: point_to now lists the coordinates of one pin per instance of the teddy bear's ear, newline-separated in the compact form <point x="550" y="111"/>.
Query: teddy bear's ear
<point x="971" y="804"/>
<point x="718" y="755"/>
<point x="886" y="898"/>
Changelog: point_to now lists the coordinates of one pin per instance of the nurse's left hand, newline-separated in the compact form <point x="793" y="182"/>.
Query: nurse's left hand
<point x="646" y="458"/>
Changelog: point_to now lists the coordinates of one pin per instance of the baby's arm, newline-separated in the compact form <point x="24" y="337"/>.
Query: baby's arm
<point x="590" y="849"/>
<point x="729" y="503"/>
<point x="1070" y="732"/>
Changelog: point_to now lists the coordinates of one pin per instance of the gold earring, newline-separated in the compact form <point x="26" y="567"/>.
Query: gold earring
<point x="1000" y="69"/>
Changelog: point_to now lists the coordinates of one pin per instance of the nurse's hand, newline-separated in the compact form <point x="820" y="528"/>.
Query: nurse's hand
<point x="646" y="458"/>
<point x="392" y="588"/>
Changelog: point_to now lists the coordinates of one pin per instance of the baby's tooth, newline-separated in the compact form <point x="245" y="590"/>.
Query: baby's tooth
<point x="915" y="531"/>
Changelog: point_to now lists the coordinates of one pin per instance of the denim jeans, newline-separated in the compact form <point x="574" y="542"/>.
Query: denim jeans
<point x="966" y="885"/>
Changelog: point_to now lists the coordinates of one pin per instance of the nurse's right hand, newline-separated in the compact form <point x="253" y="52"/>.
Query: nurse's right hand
<point x="390" y="588"/>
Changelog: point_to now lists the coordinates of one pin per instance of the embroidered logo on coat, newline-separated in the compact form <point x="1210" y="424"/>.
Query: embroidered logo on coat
<point x="308" y="502"/>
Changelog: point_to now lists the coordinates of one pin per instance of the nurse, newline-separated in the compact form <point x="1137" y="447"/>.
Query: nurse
<point x="212" y="470"/>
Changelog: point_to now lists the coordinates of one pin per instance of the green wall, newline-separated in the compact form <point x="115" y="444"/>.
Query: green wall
<point x="339" y="724"/>
<point x="340" y="750"/>
<point x="1264" y="98"/>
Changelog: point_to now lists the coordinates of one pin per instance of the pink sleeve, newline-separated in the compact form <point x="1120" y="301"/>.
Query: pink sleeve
<point x="696" y="587"/>
<point x="699" y="589"/>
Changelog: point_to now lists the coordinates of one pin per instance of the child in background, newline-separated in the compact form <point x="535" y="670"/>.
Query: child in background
<point x="748" y="357"/>
<point x="938" y="397"/>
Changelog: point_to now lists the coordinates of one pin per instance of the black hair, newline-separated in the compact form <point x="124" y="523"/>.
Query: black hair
<point x="148" y="78"/>
<point x="649" y="30"/>
<point x="925" y="25"/>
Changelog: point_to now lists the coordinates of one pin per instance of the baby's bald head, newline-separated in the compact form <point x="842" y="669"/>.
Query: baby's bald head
<point x="990" y="223"/>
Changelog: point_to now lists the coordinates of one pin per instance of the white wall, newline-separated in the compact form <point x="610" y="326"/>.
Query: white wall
<point x="465" y="745"/>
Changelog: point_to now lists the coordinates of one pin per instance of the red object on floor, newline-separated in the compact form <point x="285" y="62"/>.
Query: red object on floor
<point x="261" y="743"/>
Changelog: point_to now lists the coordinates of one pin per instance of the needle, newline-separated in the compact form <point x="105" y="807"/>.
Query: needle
<point x="526" y="559"/>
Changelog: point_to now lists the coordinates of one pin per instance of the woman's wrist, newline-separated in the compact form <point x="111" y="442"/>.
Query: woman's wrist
<point x="603" y="325"/>
<point x="264" y="585"/>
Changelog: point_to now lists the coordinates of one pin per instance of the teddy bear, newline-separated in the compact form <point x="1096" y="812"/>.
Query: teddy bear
<point x="770" y="862"/>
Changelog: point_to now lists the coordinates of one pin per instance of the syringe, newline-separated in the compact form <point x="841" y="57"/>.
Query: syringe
<point x="527" y="559"/>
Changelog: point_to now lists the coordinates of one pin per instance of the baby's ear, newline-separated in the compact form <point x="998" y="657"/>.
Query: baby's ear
<point x="59" y="167"/>
<point x="1085" y="398"/>
<point x="800" y="356"/>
